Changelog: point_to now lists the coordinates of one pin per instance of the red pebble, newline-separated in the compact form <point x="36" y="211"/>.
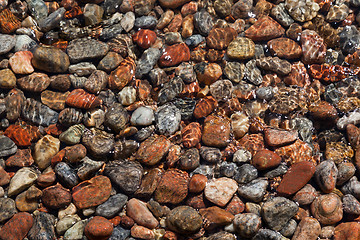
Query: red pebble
<point x="144" y="38"/>
<point x="17" y="227"/>
<point x="174" y="55"/>
<point x="79" y="98"/>
<point x="98" y="228"/>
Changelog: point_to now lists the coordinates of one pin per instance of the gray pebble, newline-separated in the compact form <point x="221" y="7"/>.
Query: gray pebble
<point x="281" y="15"/>
<point x="265" y="93"/>
<point x="119" y="233"/>
<point x="167" y="119"/>
<point x="82" y="69"/>
<point x="227" y="169"/>
<point x="186" y="107"/>
<point x="210" y="154"/>
<point x="66" y="175"/>
<point x="112" y="206"/>
<point x="52" y="21"/>
<point x="194" y="40"/>
<point x="147" y="61"/>
<point x="246" y="173"/>
<point x="43" y="227"/>
<point x="349" y="39"/>
<point x="203" y="22"/>
<point x="88" y="168"/>
<point x="267" y="234"/>
<point x="76" y="232"/>
<point x="242" y="156"/>
<point x="24" y="43"/>
<point x="128" y="21"/>
<point x="7" y="209"/>
<point x="7" y="146"/>
<point x="289" y="228"/>
<point x="247" y="224"/>
<point x="170" y="90"/>
<point x="7" y="42"/>
<point x="38" y="9"/>
<point x="145" y="22"/>
<point x="142" y="116"/>
<point x="254" y="190"/>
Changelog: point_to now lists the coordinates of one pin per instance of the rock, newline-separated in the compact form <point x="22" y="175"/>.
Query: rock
<point x="241" y="9"/>
<point x="247" y="224"/>
<point x="145" y="22"/>
<point x="116" y="117"/>
<point x="173" y="187"/>
<point x="98" y="228"/>
<point x="119" y="233"/>
<point x="122" y="75"/>
<point x="349" y="39"/>
<point x="216" y="132"/>
<point x="50" y="59"/>
<point x="220" y="191"/>
<point x="24" y="43"/>
<point x="280" y="14"/>
<point x="167" y="119"/>
<point x="325" y="175"/>
<point x="203" y="22"/>
<point x="235" y="71"/>
<point x="267" y="234"/>
<point x="45" y="149"/>
<point x="308" y="228"/>
<point x="56" y="197"/>
<point x="172" y="3"/>
<point x="54" y="100"/>
<point x="347" y="230"/>
<point x="296" y="177"/>
<point x="93" y="14"/>
<point x="241" y="48"/>
<point x="138" y="211"/>
<point x="303" y="10"/>
<point x="277" y="212"/>
<point x="275" y="64"/>
<point x="4" y="177"/>
<point x="265" y="159"/>
<point x="22" y="179"/>
<point x="38" y="113"/>
<point x="98" y="143"/>
<point x="221" y="236"/>
<point x="254" y="190"/>
<point x="142" y="116"/>
<point x="197" y="183"/>
<point x="20" y="62"/>
<point x="220" y="38"/>
<point x="327" y="209"/>
<point x="35" y="82"/>
<point x="184" y="220"/>
<point x="313" y="47"/>
<point x="91" y="193"/>
<point x="265" y="28"/>
<point x="7" y="209"/>
<point x="76" y="232"/>
<point x="43" y="227"/>
<point x="7" y="146"/>
<point x="215" y="217"/>
<point x="337" y="13"/>
<point x="24" y="204"/>
<point x="86" y="49"/>
<point x="245" y="173"/>
<point x="306" y="195"/>
<point x="110" y="61"/>
<point x="144" y="38"/>
<point x="351" y="205"/>
<point x="112" y="206"/>
<point x="7" y="43"/>
<point x="7" y="79"/>
<point x="52" y="21"/>
<point x="171" y="57"/>
<point x="252" y="74"/>
<point x="65" y="223"/>
<point x="17" y="227"/>
<point x="147" y="61"/>
<point x="210" y="154"/>
<point x="289" y="229"/>
<point x="345" y="172"/>
<point x="279" y="137"/>
<point x="125" y="174"/>
<point x="66" y="175"/>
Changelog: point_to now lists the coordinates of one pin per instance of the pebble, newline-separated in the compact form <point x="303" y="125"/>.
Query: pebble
<point x="345" y="171"/>
<point x="125" y="174"/>
<point x="349" y="40"/>
<point x="279" y="137"/>
<point x="306" y="195"/>
<point x="245" y="173"/>
<point x="149" y="183"/>
<point x="347" y="230"/>
<point x="172" y="3"/>
<point x="147" y="61"/>
<point x="350" y="204"/>
<point x="17" y="227"/>
<point x="254" y="190"/>
<point x="275" y="64"/>
<point x="92" y="192"/>
<point x="169" y="192"/>
<point x="241" y="48"/>
<point x="7" y="79"/>
<point x="7" y="43"/>
<point x="203" y="22"/>
<point x="184" y="220"/>
<point x="215" y="217"/>
<point x="296" y="177"/>
<point x="303" y="10"/>
<point x="207" y="73"/>
<point x="171" y="57"/>
<point x="280" y="14"/>
<point x="56" y="197"/>
<point x="128" y="21"/>
<point x="142" y="232"/>
<point x="93" y="14"/>
<point x="45" y="149"/>
<point x="20" y="62"/>
<point x="86" y="49"/>
<point x="326" y="175"/>
<point x="308" y="228"/>
<point x="145" y="22"/>
<point x="54" y="100"/>
<point x="265" y="28"/>
<point x="98" y="228"/>
<point x="327" y="209"/>
<point x="284" y="48"/>
<point x="252" y="73"/>
<point x="289" y="229"/>
<point x="66" y="223"/>
<point x="247" y="224"/>
<point x="167" y="119"/>
<point x="119" y="233"/>
<point x="220" y="191"/>
<point x="66" y="175"/>
<point x="82" y="69"/>
<point x="43" y="226"/>
<point x="277" y="211"/>
<point x="265" y="159"/>
<point x="337" y="13"/>
<point x="50" y="59"/>
<point x="116" y="117"/>
<point x="138" y="211"/>
<point x="313" y="47"/>
<point x="216" y="131"/>
<point x="110" y="62"/>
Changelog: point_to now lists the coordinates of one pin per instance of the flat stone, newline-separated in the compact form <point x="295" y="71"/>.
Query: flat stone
<point x="50" y="59"/>
<point x="220" y="191"/>
<point x="98" y="228"/>
<point x="7" y="42"/>
<point x="7" y="209"/>
<point x="7" y="146"/>
<point x="17" y="227"/>
<point x="22" y="179"/>
<point x="138" y="211"/>
<point x="279" y="137"/>
<point x="86" y="49"/>
<point x="112" y="206"/>
<point x="184" y="220"/>
<point x="215" y="217"/>
<point x="152" y="150"/>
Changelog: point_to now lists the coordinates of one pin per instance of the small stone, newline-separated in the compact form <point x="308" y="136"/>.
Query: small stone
<point x="216" y="132"/>
<point x="145" y="22"/>
<point x="119" y="233"/>
<point x="265" y="159"/>
<point x="82" y="69"/>
<point x="215" y="217"/>
<point x="50" y="59"/>
<point x="7" y="43"/>
<point x="327" y="209"/>
<point x="247" y="224"/>
<point x="289" y="228"/>
<point x="138" y="211"/>
<point x="17" y="227"/>
<point x="24" y="43"/>
<point x="275" y="64"/>
<point x="184" y="220"/>
<point x="7" y="146"/>
<point x="141" y="232"/>
<point x="145" y="38"/>
<point x="278" y="211"/>
<point x="92" y="192"/>
<point x="149" y="183"/>
<point x="4" y="177"/>
<point x="207" y="73"/>
<point x="172" y="3"/>
<point x="253" y="75"/>
<point x="65" y="223"/>
<point x="241" y="48"/>
<point x="7" y="79"/>
<point x="306" y="195"/>
<point x="93" y="14"/>
<point x="20" y="62"/>
<point x="98" y="228"/>
<point x="142" y="116"/>
<point x="203" y="22"/>
<point x="128" y="21"/>
<point x="279" y="137"/>
<point x="22" y="179"/>
<point x="210" y="154"/>
<point x="296" y="177"/>
<point x="284" y="48"/>
<point x="313" y="47"/>
<point x="152" y="150"/>
<point x="254" y="190"/>
<point x="54" y="100"/>
<point x="43" y="226"/>
<point x="125" y="174"/>
<point x="347" y="230"/>
<point x="280" y="14"/>
<point x="66" y="175"/>
<point x="167" y="118"/>
<point x="346" y="170"/>
<point x="303" y="10"/>
<point x="234" y="71"/>
<point x="245" y="173"/>
<point x="56" y="197"/>
<point x="85" y="49"/>
<point x="110" y="61"/>
<point x="308" y="228"/>
<point x="325" y="175"/>
<point x="171" y="57"/>
<point x="173" y="187"/>
<point x="45" y="149"/>
<point x="351" y="205"/>
<point x="220" y="191"/>
<point x="349" y="39"/>
<point x="7" y="209"/>
<point x="220" y="38"/>
<point x="170" y="90"/>
<point x="265" y="28"/>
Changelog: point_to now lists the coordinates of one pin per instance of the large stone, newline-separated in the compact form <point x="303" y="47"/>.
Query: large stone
<point x="220" y="191"/>
<point x="86" y="49"/>
<point x="184" y="220"/>
<point x="138" y="211"/>
<point x="22" y="179"/>
<point x="50" y="59"/>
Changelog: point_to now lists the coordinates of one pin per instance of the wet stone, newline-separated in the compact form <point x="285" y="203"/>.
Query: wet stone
<point x="252" y="73"/>
<point x="39" y="113"/>
<point x="326" y="175"/>
<point x="303" y="10"/>
<point x="56" y="197"/>
<point x="308" y="228"/>
<point x="327" y="209"/>
<point x="203" y="22"/>
<point x="280" y="14"/>
<point x="234" y="71"/>
<point x="17" y="227"/>
<point x="350" y="204"/>
<point x="66" y="175"/>
<point x="84" y="49"/>
<point x="216" y="132"/>
<point x="98" y="143"/>
<point x="7" y="43"/>
<point x="7" y="209"/>
<point x="220" y="191"/>
<point x="265" y="28"/>
<point x="43" y="226"/>
<point x="277" y="211"/>
<point x="138" y="211"/>
<point x="167" y="119"/>
<point x="126" y="175"/>
<point x="88" y="168"/>
<point x="98" y="228"/>
<point x="349" y="39"/>
<point x="50" y="59"/>
<point x="147" y="61"/>
<point x="8" y="147"/>
<point x="247" y="224"/>
<point x="241" y="48"/>
<point x="245" y="173"/>
<point x="145" y="22"/>
<point x="306" y="195"/>
<point x="254" y="190"/>
<point x="184" y="220"/>
<point x="170" y="90"/>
